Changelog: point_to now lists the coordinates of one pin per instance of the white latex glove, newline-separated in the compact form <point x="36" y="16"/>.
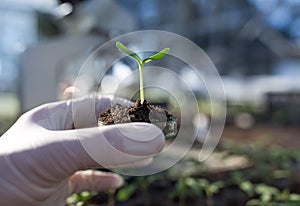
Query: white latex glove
<point x="42" y="158"/>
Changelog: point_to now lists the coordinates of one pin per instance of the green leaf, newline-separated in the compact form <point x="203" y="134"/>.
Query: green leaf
<point x="247" y="187"/>
<point x="130" y="53"/>
<point x="126" y="192"/>
<point x="294" y="197"/>
<point x="157" y="56"/>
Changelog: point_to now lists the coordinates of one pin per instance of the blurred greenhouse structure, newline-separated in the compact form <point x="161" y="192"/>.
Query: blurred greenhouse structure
<point x="254" y="43"/>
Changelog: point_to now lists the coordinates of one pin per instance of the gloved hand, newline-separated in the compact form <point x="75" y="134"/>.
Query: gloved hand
<point x="42" y="159"/>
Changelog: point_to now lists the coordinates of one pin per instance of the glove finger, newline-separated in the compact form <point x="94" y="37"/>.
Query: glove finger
<point x="75" y="113"/>
<point x="110" y="146"/>
<point x="121" y="144"/>
<point x="86" y="111"/>
<point x="91" y="180"/>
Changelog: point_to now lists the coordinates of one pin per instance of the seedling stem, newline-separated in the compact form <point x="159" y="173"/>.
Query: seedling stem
<point x="141" y="63"/>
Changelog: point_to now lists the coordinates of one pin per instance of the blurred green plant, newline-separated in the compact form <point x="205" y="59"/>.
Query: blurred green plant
<point x="80" y="199"/>
<point x="126" y="192"/>
<point x="142" y="184"/>
<point x="271" y="180"/>
<point x="195" y="187"/>
<point x="271" y="196"/>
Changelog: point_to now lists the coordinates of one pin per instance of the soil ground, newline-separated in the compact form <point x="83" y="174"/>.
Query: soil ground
<point x="285" y="136"/>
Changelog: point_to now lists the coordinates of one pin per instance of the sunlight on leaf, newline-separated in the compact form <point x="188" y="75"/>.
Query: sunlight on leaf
<point x="158" y="55"/>
<point x="130" y="53"/>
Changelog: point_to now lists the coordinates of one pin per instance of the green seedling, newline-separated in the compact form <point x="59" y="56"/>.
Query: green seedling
<point x="141" y="63"/>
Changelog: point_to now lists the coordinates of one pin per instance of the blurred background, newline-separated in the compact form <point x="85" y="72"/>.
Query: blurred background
<point x="254" y="45"/>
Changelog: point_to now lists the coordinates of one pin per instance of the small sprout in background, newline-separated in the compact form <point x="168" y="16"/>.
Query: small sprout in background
<point x="141" y="63"/>
<point x="126" y="192"/>
<point x="80" y="199"/>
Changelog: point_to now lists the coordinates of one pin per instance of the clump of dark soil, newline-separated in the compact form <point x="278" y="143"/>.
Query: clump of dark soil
<point x="140" y="113"/>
